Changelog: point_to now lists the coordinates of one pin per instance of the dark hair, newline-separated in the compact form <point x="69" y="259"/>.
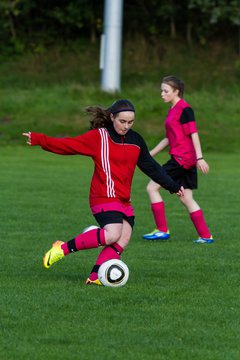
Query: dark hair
<point x="101" y="116"/>
<point x="175" y="83"/>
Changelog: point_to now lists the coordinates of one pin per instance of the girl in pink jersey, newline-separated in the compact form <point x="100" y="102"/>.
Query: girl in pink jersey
<point x="116" y="151"/>
<point x="186" y="157"/>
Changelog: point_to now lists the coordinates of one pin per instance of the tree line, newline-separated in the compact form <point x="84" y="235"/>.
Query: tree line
<point x="36" y="24"/>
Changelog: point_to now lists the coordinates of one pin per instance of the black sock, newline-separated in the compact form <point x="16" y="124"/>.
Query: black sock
<point x="71" y="244"/>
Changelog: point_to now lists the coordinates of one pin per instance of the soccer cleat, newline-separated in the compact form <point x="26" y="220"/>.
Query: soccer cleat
<point x="157" y="235"/>
<point x="93" y="282"/>
<point x="53" y="255"/>
<point x="204" y="240"/>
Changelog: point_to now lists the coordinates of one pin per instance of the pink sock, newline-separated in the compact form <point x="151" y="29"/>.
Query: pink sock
<point x="87" y="240"/>
<point x="200" y="224"/>
<point x="158" y="210"/>
<point x="109" y="252"/>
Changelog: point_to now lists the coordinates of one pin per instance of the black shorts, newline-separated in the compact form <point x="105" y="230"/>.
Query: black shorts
<point x="186" y="178"/>
<point x="112" y="217"/>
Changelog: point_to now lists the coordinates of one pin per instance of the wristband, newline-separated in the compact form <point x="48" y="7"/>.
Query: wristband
<point x="201" y="158"/>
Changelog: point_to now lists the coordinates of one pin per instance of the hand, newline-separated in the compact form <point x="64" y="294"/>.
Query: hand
<point x="181" y="191"/>
<point x="203" y="166"/>
<point x="28" y="135"/>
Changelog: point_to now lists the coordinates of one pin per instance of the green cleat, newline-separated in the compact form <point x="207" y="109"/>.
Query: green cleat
<point x="53" y="255"/>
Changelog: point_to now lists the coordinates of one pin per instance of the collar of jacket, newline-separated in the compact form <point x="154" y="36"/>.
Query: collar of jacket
<point x="114" y="135"/>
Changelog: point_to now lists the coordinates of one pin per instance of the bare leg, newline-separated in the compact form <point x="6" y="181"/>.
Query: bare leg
<point x="153" y="192"/>
<point x="188" y="201"/>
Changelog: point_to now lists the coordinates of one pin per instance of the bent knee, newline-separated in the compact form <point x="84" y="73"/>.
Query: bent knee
<point x="112" y="237"/>
<point x="152" y="187"/>
<point x="187" y="201"/>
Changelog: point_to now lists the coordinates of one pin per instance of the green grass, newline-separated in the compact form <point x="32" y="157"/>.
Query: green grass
<point x="59" y="111"/>
<point x="181" y="300"/>
<point x="48" y="92"/>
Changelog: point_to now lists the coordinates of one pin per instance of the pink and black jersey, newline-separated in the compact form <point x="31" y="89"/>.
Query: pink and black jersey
<point x="115" y="158"/>
<point x="180" y="124"/>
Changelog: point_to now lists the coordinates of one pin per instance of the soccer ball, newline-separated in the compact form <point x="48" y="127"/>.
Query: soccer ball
<point x="88" y="228"/>
<point x="113" y="273"/>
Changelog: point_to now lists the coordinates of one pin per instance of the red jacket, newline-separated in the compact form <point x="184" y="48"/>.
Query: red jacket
<point x="115" y="158"/>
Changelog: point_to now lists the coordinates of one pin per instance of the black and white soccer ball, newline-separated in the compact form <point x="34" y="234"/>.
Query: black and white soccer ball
<point x="113" y="273"/>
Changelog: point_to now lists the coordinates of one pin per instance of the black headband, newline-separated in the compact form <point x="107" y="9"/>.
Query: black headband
<point x="121" y="110"/>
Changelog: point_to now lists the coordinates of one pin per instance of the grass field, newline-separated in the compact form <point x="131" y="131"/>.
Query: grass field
<point x="181" y="301"/>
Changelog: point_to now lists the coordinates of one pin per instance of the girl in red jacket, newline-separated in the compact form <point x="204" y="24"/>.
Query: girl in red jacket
<point x="116" y="150"/>
<point x="186" y="157"/>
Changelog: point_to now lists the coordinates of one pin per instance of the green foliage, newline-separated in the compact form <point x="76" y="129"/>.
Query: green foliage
<point x="180" y="302"/>
<point x="30" y="25"/>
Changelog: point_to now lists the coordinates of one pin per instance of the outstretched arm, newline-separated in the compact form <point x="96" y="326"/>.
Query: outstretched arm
<point x="61" y="146"/>
<point x="84" y="144"/>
